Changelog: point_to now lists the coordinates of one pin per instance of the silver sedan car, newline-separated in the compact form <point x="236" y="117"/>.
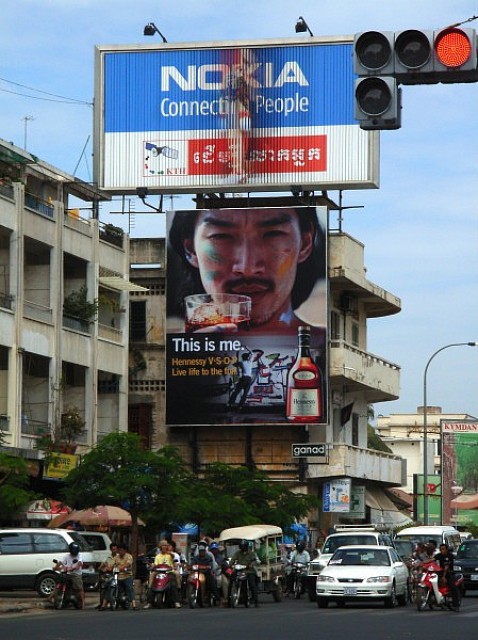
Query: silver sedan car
<point x="358" y="573"/>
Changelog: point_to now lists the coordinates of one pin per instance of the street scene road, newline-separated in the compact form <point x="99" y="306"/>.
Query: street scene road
<point x="271" y="621"/>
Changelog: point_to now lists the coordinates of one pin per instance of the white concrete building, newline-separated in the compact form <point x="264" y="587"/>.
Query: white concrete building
<point x="53" y="358"/>
<point x="403" y="433"/>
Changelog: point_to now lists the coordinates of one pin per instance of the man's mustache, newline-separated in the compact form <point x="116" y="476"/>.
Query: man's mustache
<point x="239" y="285"/>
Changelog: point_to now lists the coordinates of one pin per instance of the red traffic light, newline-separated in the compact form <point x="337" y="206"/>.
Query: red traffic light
<point x="453" y="47"/>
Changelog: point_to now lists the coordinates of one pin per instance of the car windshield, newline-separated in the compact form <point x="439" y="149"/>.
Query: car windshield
<point x="468" y="551"/>
<point x="404" y="548"/>
<point x="84" y="546"/>
<point x="340" y="541"/>
<point x="424" y="538"/>
<point x="363" y="557"/>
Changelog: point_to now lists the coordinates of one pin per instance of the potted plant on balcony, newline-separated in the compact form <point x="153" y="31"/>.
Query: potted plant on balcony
<point x="77" y="306"/>
<point x="63" y="437"/>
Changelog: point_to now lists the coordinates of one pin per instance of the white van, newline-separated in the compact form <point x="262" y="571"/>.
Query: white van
<point x="98" y="543"/>
<point x="27" y="555"/>
<point x="440" y="534"/>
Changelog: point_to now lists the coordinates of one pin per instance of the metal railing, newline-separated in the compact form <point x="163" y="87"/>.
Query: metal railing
<point x="38" y="205"/>
<point x="34" y="427"/>
<point x="110" y="333"/>
<point x="6" y="190"/>
<point x="77" y="324"/>
<point x="6" y="300"/>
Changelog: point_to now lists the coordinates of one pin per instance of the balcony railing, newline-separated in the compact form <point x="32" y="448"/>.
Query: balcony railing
<point x="356" y="462"/>
<point x="36" y="311"/>
<point x="39" y="205"/>
<point x="113" y="235"/>
<point x="110" y="333"/>
<point x="77" y="324"/>
<point x="6" y="300"/>
<point x="108" y="386"/>
<point x="6" y="190"/>
<point x="34" y="427"/>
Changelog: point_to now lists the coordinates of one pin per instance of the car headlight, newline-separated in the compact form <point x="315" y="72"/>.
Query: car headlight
<point x="379" y="579"/>
<point x="322" y="578"/>
<point x="457" y="567"/>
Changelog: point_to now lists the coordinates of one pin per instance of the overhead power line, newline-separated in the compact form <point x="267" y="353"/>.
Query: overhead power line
<point x="54" y="97"/>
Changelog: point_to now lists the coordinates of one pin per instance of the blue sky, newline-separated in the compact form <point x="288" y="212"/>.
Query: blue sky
<point x="420" y="229"/>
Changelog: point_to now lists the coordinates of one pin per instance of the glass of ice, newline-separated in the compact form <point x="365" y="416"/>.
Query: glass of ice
<point x="205" y="310"/>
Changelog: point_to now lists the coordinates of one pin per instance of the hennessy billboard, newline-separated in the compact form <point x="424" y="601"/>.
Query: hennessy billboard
<point x="247" y="316"/>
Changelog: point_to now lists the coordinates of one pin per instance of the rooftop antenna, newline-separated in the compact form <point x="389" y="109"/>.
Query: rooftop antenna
<point x="26" y="119"/>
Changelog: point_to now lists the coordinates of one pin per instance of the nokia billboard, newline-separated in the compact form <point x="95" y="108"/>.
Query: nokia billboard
<point x="244" y="116"/>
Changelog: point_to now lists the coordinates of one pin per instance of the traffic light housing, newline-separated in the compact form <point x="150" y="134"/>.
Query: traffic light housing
<point x="428" y="57"/>
<point x="412" y="56"/>
<point x="377" y="103"/>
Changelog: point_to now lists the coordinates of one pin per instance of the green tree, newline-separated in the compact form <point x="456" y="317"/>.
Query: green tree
<point x="14" y="491"/>
<point x="230" y="496"/>
<point x="121" y="472"/>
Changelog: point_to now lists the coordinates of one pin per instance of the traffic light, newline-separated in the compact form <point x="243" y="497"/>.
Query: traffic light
<point x="377" y="96"/>
<point x="377" y="103"/>
<point x="407" y="57"/>
<point x="428" y="57"/>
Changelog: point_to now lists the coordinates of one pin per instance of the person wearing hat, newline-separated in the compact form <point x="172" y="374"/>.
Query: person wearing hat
<point x="164" y="557"/>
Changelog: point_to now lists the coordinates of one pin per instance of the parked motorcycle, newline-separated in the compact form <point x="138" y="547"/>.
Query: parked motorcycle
<point x="115" y="594"/>
<point x="196" y="578"/>
<point x="63" y="594"/>
<point x="433" y="591"/>
<point x="161" y="586"/>
<point x="240" y="590"/>
<point x="299" y="573"/>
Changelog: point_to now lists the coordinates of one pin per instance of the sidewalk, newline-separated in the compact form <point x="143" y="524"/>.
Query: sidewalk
<point x="19" y="602"/>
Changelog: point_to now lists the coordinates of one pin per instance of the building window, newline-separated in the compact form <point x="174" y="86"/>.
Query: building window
<point x="146" y="386"/>
<point x="355" y="429"/>
<point x="140" y="421"/>
<point x="137" y="321"/>
<point x="335" y="333"/>
<point x="355" y="334"/>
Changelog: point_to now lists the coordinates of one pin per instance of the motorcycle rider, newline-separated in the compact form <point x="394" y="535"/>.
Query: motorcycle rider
<point x="445" y="559"/>
<point x="124" y="562"/>
<point x="208" y="584"/>
<point x="246" y="556"/>
<point x="221" y="578"/>
<point x="106" y="567"/>
<point x="164" y="557"/>
<point x="72" y="565"/>
<point x="301" y="555"/>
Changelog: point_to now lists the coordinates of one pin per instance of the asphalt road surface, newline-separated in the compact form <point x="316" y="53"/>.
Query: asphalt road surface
<point x="271" y="621"/>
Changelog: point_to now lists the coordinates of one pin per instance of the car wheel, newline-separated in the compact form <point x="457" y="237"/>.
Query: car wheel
<point x="312" y="595"/>
<point x="403" y="598"/>
<point x="322" y="603"/>
<point x="45" y="584"/>
<point x="391" y="601"/>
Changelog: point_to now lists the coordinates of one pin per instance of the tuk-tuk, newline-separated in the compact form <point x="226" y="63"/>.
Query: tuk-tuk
<point x="266" y="540"/>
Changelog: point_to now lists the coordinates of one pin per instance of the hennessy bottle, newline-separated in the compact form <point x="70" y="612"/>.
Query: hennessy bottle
<point x="304" y="401"/>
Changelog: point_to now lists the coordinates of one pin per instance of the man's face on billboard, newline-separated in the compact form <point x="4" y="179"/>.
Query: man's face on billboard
<point x="250" y="252"/>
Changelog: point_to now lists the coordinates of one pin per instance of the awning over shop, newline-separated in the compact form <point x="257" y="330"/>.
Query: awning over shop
<point x="383" y="510"/>
<point x="465" y="501"/>
<point x="121" y="284"/>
